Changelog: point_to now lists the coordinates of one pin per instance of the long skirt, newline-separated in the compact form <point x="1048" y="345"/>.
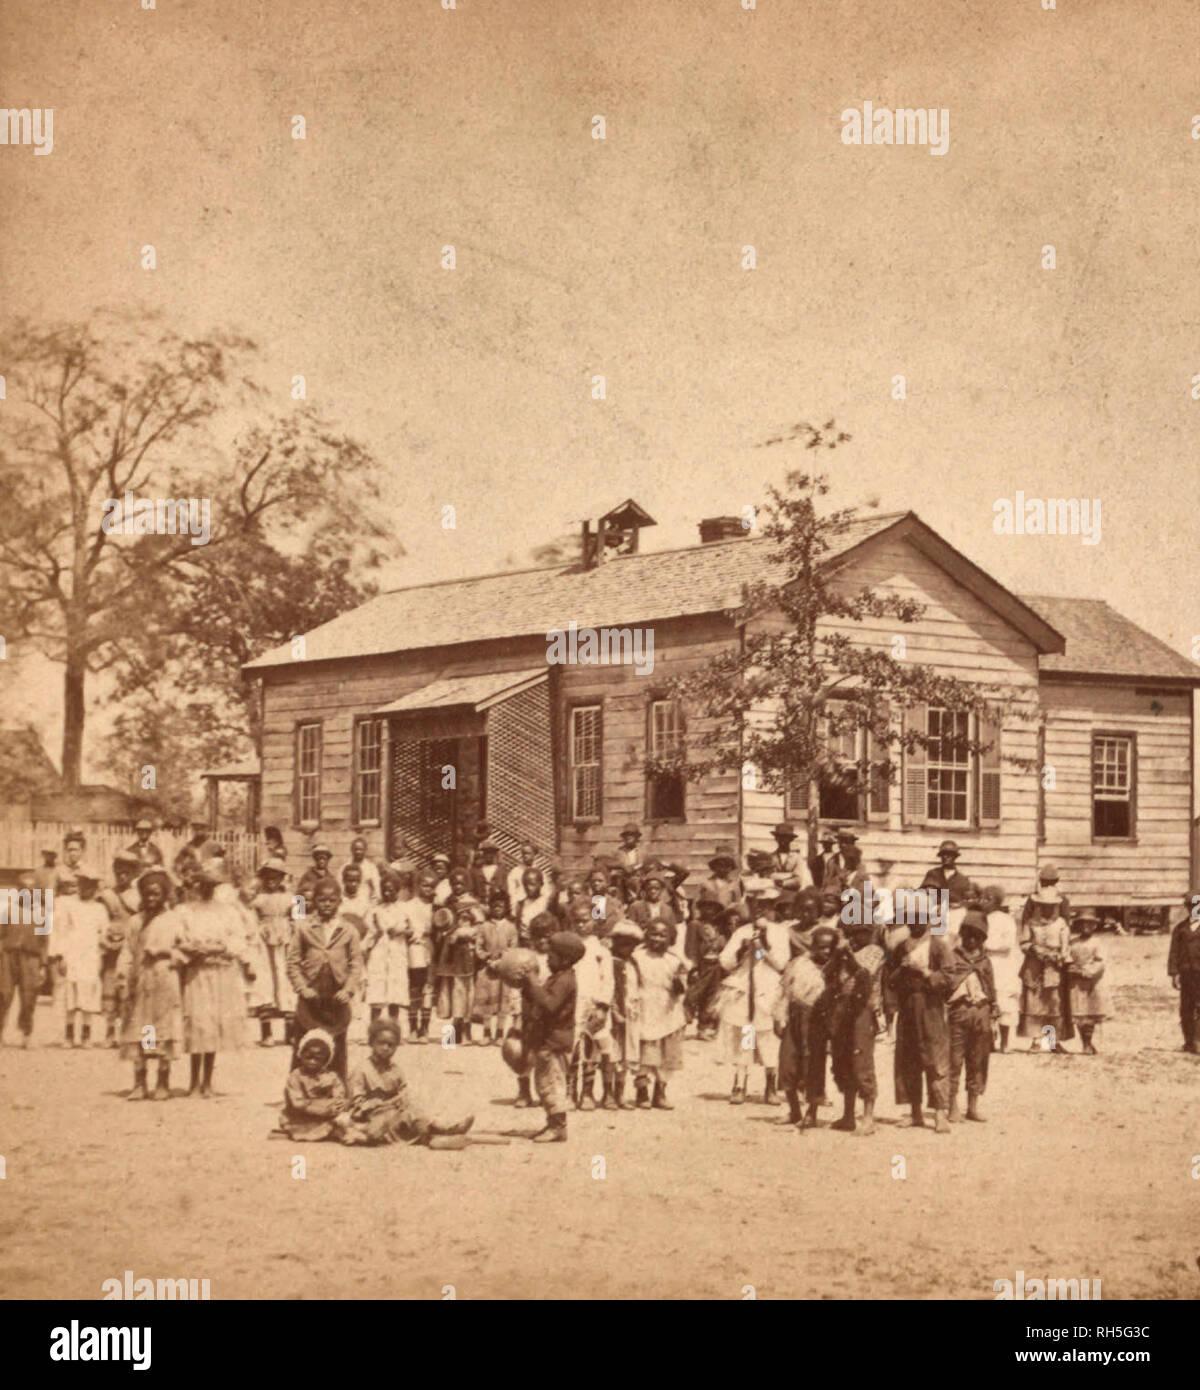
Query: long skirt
<point x="214" y="1006"/>
<point x="153" y="1025"/>
<point x="283" y="995"/>
<point x="455" y="996"/>
<point x="1041" y="1007"/>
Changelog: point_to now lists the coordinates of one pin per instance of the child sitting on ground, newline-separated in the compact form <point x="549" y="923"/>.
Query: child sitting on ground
<point x="314" y="1099"/>
<point x="381" y="1110"/>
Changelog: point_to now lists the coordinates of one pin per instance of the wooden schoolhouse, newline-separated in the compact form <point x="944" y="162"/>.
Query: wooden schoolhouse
<point x="427" y="709"/>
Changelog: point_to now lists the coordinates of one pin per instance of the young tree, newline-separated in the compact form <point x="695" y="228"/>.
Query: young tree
<point x="774" y="707"/>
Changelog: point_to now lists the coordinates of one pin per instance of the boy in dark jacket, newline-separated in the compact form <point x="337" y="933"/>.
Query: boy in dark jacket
<point x="549" y="1022"/>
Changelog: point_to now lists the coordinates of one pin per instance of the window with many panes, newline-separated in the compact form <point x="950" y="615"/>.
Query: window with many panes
<point x="308" y="773"/>
<point x="368" y="771"/>
<point x="839" y="793"/>
<point x="948" y="767"/>
<point x="664" y="794"/>
<point x="585" y="754"/>
<point x="1113" y="758"/>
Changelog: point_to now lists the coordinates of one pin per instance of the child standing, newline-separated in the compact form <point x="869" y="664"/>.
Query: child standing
<point x="273" y="908"/>
<point x="386" y="951"/>
<point x="325" y="966"/>
<point x="120" y="902"/>
<point x="970" y="1011"/>
<point x="549" y="1024"/>
<point x="753" y="960"/>
<point x="455" y="932"/>
<point x="79" y="932"/>
<point x="418" y="920"/>
<point x="1046" y="944"/>
<point x="593" y="994"/>
<point x="662" y="976"/>
<point x="148" y="986"/>
<point x="496" y="1002"/>
<point x="624" y="939"/>
<point x="1005" y="956"/>
<point x="801" y="988"/>
<point x="1085" y="970"/>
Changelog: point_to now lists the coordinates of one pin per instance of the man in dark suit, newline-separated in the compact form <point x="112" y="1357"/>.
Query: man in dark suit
<point x="825" y="862"/>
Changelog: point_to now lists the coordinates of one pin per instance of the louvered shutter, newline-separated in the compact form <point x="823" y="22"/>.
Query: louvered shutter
<point x="989" y="772"/>
<point x="914" y="800"/>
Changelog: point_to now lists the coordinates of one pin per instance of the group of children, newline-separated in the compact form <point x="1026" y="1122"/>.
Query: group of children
<point x="615" y="964"/>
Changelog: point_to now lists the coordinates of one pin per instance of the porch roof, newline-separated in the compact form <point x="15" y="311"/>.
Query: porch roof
<point x="477" y="691"/>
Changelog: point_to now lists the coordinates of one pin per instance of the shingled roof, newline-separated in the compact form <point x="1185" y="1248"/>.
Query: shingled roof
<point x="1100" y="642"/>
<point x="624" y="590"/>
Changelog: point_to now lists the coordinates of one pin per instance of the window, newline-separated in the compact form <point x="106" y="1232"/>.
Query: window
<point x="368" y="771"/>
<point x="586" y="748"/>
<point x="1113" y="783"/>
<point x="308" y="774"/>
<point x="948" y="767"/>
<point x="839" y="794"/>
<point x="664" y="795"/>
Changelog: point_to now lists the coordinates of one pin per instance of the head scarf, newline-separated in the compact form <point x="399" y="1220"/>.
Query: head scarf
<point x="317" y="1035"/>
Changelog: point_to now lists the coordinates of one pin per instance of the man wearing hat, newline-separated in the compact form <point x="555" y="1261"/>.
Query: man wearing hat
<point x="490" y="874"/>
<point x="723" y="885"/>
<point x="825" y="865"/>
<point x="629" y="856"/>
<point x="945" y="877"/>
<point x="319" y="869"/>
<point x="785" y="867"/>
<point x="148" y="853"/>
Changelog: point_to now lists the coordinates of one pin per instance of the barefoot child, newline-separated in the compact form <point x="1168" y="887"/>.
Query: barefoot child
<point x="496" y="1002"/>
<point x="854" y="1024"/>
<point x="970" y="1013"/>
<point x="148" y="986"/>
<point x="541" y="929"/>
<point x="120" y="901"/>
<point x="273" y="908"/>
<point x="624" y="939"/>
<point x="79" y="931"/>
<point x="922" y="977"/>
<point x="1085" y="970"/>
<point x="663" y="978"/>
<point x="801" y="986"/>
<point x="386" y="951"/>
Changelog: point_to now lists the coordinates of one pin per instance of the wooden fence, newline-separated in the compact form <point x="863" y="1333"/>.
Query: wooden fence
<point x="22" y="843"/>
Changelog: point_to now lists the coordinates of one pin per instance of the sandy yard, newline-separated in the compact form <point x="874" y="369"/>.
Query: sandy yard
<point x="1085" y="1169"/>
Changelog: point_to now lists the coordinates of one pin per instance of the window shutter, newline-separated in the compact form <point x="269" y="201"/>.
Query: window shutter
<point x="878" y="787"/>
<point x="989" y="772"/>
<point x="296" y="775"/>
<point x="914" y="800"/>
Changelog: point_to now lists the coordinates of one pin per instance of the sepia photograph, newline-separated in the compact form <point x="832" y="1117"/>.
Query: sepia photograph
<point x="598" y="664"/>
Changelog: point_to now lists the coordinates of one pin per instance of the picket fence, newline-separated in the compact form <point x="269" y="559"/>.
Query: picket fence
<point x="22" y="843"/>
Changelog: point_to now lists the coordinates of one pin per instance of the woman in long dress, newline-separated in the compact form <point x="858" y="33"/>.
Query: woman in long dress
<point x="213" y="939"/>
<point x="1005" y="954"/>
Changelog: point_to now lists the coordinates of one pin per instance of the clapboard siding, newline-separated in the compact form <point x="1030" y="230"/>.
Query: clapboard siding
<point x="1156" y="870"/>
<point x="960" y="635"/>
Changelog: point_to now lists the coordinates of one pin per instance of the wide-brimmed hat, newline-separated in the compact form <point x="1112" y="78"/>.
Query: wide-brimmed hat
<point x="144" y="824"/>
<point x="974" y="921"/>
<point x="723" y="854"/>
<point x="1048" y="873"/>
<point x="487" y="846"/>
<point x="122" y="856"/>
<point x="629" y="929"/>
<point x="784" y="831"/>
<point x="631" y="829"/>
<point x="1085" y="914"/>
<point x="272" y="866"/>
<point x="320" y="848"/>
<point x="948" y="847"/>
<point x="847" y="836"/>
<point x="828" y="836"/>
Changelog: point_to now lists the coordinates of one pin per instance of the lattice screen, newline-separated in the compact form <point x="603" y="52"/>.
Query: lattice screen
<point x="422" y="812"/>
<point x="520" y="774"/>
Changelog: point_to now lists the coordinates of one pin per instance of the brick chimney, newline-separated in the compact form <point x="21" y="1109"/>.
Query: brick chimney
<point x="722" y="528"/>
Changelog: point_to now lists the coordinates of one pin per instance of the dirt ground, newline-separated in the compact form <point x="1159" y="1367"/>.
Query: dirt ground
<point x="1084" y="1169"/>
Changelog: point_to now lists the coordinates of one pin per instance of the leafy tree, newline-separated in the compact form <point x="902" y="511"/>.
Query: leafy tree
<point x="778" y="702"/>
<point x="115" y="405"/>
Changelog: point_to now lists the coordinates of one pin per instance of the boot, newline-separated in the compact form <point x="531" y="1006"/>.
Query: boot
<point x="85" y="1035"/>
<point x="770" y="1094"/>
<point x="607" y="1100"/>
<point x="643" y="1092"/>
<point x="414" y="1025"/>
<point x="619" y="1091"/>
<point x="973" y="1110"/>
<point x="426" y="1015"/>
<point x="162" y="1088"/>
<point x="795" y="1114"/>
<point x="738" y="1095"/>
<point x="69" y="1041"/>
<point x="139" y="1085"/>
<point x="555" y="1131"/>
<point x="524" y="1098"/>
<point x="194" y="1082"/>
<point x="660" y="1101"/>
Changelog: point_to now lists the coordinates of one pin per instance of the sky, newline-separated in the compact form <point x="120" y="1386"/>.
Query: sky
<point x="623" y="257"/>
